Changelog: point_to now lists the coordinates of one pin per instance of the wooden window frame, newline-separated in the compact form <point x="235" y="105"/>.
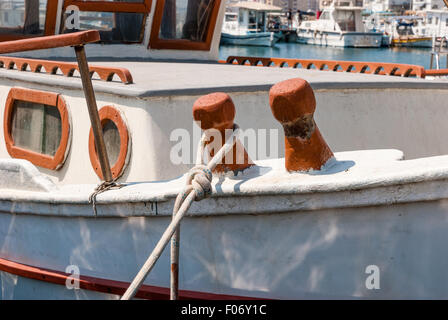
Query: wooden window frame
<point x="111" y="6"/>
<point x="49" y="28"/>
<point x="42" y="97"/>
<point x="180" y="44"/>
<point x="110" y="113"/>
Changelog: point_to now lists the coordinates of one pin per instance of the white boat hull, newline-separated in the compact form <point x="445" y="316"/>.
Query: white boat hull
<point x="264" y="39"/>
<point x="337" y="39"/>
<point x="296" y="255"/>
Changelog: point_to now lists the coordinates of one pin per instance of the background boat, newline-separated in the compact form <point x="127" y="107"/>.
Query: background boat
<point x="340" y="24"/>
<point x="248" y="25"/>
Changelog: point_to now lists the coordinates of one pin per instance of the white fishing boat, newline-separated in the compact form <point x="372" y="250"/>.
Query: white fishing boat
<point x="90" y="168"/>
<point x="380" y="21"/>
<point x="340" y="24"/>
<point x="434" y="24"/>
<point x="405" y="33"/>
<point x="248" y="25"/>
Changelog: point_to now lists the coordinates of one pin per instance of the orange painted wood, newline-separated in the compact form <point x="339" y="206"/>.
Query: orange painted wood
<point x="181" y="44"/>
<point x="109" y="113"/>
<point x="111" y="6"/>
<point x="293" y="104"/>
<point x="49" y="42"/>
<point x="217" y="111"/>
<point x="381" y="68"/>
<point x="14" y="36"/>
<point x="106" y="285"/>
<point x="67" y="68"/>
<point x="50" y="18"/>
<point x="437" y="72"/>
<point x="42" y="97"/>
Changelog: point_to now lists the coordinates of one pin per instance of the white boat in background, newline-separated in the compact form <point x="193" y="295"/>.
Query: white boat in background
<point x="379" y="22"/>
<point x="434" y="24"/>
<point x="340" y="24"/>
<point x="248" y="25"/>
<point x="405" y="34"/>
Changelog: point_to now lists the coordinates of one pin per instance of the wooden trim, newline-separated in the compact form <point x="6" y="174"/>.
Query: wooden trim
<point x="109" y="113"/>
<point x="106" y="285"/>
<point x="49" y="42"/>
<point x="50" y="18"/>
<point x="14" y="36"/>
<point x="41" y="97"/>
<point x="67" y="68"/>
<point x="380" y="68"/>
<point x="109" y="6"/>
<point x="181" y="44"/>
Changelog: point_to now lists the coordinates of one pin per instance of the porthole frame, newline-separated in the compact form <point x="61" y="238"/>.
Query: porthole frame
<point x="41" y="97"/>
<point x="111" y="113"/>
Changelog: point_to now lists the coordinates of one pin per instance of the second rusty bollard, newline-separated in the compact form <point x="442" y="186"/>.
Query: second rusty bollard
<point x="217" y="111"/>
<point x="293" y="104"/>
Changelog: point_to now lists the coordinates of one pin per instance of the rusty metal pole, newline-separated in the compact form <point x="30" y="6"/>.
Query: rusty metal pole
<point x="93" y="113"/>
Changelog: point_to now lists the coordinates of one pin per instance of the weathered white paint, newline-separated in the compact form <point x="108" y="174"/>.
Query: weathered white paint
<point x="317" y="254"/>
<point x="350" y="119"/>
<point x="265" y="232"/>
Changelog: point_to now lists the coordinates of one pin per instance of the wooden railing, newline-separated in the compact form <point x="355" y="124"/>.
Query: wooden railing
<point x="380" y="68"/>
<point x="66" y="68"/>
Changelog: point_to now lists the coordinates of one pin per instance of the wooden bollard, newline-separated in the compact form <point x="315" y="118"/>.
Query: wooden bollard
<point x="293" y="103"/>
<point x="217" y="111"/>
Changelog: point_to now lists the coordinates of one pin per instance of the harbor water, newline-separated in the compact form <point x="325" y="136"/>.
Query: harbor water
<point x="417" y="56"/>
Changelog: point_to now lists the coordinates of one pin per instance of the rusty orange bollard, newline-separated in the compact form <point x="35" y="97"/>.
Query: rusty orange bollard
<point x="293" y="103"/>
<point x="217" y="111"/>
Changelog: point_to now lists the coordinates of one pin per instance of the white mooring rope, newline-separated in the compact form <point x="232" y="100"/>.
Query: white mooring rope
<point x="198" y="186"/>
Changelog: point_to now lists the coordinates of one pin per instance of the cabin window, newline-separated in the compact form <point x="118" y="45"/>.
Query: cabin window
<point x="241" y="18"/>
<point x="118" y="21"/>
<point x="325" y="16"/>
<point x="36" y="127"/>
<point x="252" y="20"/>
<point x="184" y="24"/>
<point x="26" y="18"/>
<point x="231" y="18"/>
<point x="446" y="22"/>
<point x="112" y="141"/>
<point x="346" y="20"/>
<point x="116" y="139"/>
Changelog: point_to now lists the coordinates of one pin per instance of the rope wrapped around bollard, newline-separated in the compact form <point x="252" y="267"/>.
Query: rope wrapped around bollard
<point x="198" y="186"/>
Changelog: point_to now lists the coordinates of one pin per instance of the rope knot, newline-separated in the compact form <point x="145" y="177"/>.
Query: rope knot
<point x="199" y="179"/>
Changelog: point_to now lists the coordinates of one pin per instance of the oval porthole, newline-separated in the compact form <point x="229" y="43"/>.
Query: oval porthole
<point x="116" y="139"/>
<point x="37" y="127"/>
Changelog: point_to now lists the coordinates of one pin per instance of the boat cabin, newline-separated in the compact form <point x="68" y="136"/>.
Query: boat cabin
<point x="340" y="17"/>
<point x="250" y="16"/>
<point x="436" y="23"/>
<point x="160" y="29"/>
